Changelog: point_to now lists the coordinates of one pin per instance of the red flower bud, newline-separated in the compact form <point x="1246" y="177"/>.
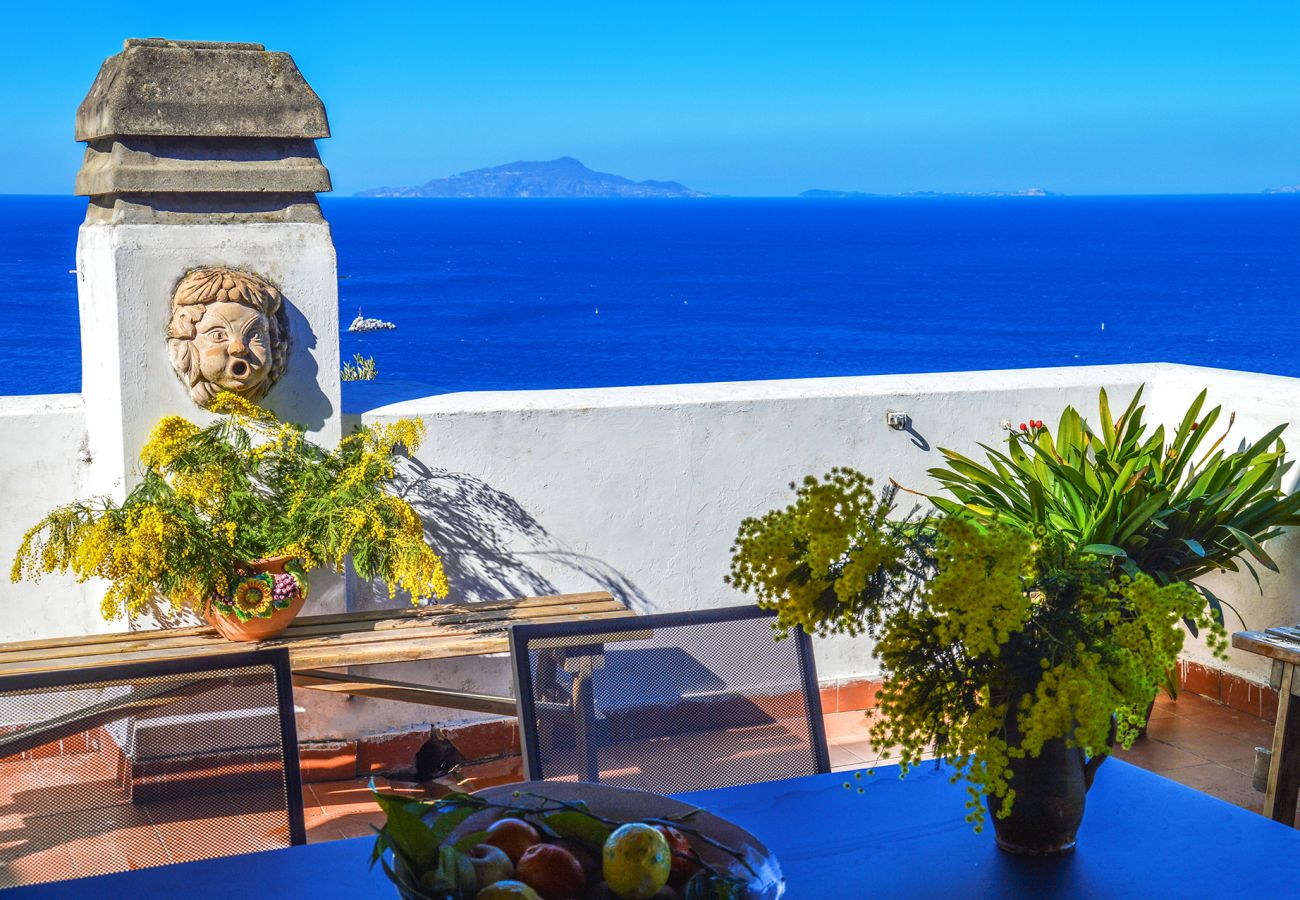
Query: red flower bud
<point x="1038" y="424"/>
<point x="1195" y="425"/>
<point x="1024" y="427"/>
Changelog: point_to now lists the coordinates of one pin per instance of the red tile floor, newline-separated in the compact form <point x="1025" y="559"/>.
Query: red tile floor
<point x="1194" y="741"/>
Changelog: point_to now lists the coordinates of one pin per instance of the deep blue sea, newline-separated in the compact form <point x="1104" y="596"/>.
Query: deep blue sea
<point x="506" y="295"/>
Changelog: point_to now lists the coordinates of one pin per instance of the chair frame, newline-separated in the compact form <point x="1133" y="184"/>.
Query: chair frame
<point x="62" y="679"/>
<point x="522" y="635"/>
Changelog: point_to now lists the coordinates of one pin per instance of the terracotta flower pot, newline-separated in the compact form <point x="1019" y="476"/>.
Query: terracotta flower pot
<point x="257" y="628"/>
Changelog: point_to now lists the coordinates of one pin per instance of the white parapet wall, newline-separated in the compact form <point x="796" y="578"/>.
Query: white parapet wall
<point x="640" y="490"/>
<point x="41" y="466"/>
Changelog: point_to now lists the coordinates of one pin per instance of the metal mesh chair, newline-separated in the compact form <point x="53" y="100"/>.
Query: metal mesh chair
<point x="112" y="768"/>
<point x="668" y="703"/>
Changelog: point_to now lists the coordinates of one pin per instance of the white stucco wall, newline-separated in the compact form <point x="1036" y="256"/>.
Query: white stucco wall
<point x="41" y="466"/>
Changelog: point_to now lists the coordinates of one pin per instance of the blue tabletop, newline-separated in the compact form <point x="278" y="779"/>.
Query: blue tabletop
<point x="1142" y="836"/>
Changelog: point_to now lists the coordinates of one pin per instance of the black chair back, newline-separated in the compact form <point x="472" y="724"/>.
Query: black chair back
<point x="111" y="768"/>
<point x="668" y="703"/>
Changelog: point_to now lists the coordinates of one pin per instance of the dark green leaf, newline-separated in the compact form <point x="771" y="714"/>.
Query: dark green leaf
<point x="470" y="841"/>
<point x="576" y="826"/>
<point x="1253" y="547"/>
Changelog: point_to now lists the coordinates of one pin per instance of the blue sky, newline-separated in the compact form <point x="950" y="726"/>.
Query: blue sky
<point x="738" y="98"/>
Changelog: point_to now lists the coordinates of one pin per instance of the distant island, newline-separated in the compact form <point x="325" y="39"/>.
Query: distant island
<point x="850" y="195"/>
<point x="563" y="177"/>
<point x="1289" y="189"/>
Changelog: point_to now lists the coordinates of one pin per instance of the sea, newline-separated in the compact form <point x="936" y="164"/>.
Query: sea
<point x="499" y="295"/>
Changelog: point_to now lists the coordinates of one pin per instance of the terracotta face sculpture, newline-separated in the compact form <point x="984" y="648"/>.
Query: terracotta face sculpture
<point x="229" y="331"/>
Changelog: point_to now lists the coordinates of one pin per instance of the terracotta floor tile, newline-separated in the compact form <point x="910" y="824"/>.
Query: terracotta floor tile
<point x="1175" y="729"/>
<point x="1223" y="783"/>
<point x="484" y="775"/>
<point x="869" y="753"/>
<point x="847" y="726"/>
<point x="842" y="758"/>
<point x="1213" y="715"/>
<point x="1225" y="749"/>
<point x="21" y="863"/>
<point x="1159" y="757"/>
<point x="213" y="825"/>
<point x="126" y="839"/>
<point x="342" y="798"/>
<point x="358" y="824"/>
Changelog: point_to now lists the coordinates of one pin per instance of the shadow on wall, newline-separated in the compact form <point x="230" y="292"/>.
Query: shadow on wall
<point x="311" y="407"/>
<point x="491" y="546"/>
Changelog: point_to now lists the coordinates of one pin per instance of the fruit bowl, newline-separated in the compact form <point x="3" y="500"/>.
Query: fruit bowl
<point x="763" y="877"/>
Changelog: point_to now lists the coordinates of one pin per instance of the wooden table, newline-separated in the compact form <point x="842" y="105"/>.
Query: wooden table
<point x="1142" y="837"/>
<point x="317" y="644"/>
<point x="1282" y="645"/>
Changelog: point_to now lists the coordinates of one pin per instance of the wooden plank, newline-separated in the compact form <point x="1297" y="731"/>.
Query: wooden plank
<point x="384" y="689"/>
<point x="1284" y="767"/>
<point x="353" y="618"/>
<point x="413" y="648"/>
<point x="592" y="640"/>
<point x="321" y="653"/>
<point x="1261" y="643"/>
<point x="385" y="629"/>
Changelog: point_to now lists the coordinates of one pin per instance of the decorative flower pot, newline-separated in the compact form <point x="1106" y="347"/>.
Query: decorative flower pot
<point x="262" y="604"/>
<point x="1050" y="792"/>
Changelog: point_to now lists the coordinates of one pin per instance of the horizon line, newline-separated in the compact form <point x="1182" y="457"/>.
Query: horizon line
<point x="922" y="194"/>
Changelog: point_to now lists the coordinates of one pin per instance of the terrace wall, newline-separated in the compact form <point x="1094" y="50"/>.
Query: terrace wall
<point x="44" y="437"/>
<point x="640" y="490"/>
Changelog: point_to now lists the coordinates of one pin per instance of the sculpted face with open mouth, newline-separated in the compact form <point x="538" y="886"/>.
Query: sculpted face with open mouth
<point x="229" y="331"/>
<point x="232" y="344"/>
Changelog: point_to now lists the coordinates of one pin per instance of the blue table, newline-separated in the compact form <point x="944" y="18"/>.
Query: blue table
<point x="1143" y="837"/>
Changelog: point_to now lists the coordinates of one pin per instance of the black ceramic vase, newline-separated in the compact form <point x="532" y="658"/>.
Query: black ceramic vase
<point x="1051" y="790"/>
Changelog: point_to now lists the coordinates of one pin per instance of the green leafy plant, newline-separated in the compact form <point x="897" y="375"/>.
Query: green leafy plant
<point x="992" y="639"/>
<point x="247" y="487"/>
<point x="362" y="368"/>
<point x="1155" y="501"/>
<point x="415" y="847"/>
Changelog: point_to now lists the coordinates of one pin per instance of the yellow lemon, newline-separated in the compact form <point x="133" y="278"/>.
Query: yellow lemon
<point x="636" y="861"/>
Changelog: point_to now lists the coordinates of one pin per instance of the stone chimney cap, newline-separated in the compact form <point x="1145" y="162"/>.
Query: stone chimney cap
<point x="161" y="88"/>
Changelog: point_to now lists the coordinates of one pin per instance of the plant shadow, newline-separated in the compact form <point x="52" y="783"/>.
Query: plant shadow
<point x="491" y="547"/>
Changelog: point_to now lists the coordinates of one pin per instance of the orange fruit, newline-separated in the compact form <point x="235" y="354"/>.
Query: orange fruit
<point x="683" y="865"/>
<point x="552" y="871"/>
<point x="514" y="836"/>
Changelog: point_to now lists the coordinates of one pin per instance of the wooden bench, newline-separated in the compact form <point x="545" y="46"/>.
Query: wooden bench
<point x="317" y="644"/>
<point x="1282" y="645"/>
